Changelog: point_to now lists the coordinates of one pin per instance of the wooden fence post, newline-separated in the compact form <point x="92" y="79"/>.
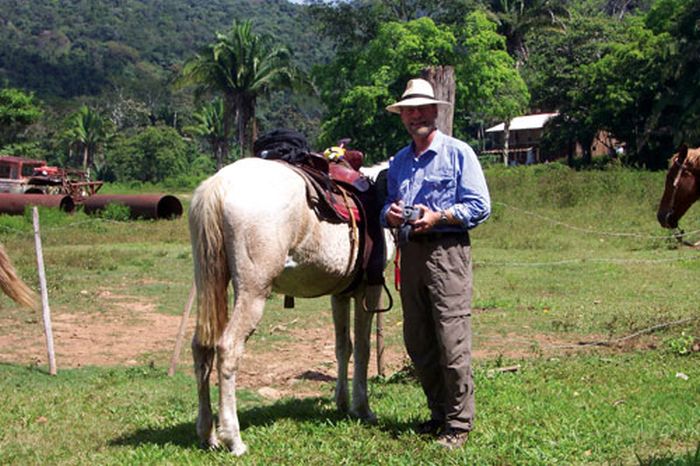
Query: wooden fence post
<point x="381" y="370"/>
<point x="181" y="331"/>
<point x="46" y="311"/>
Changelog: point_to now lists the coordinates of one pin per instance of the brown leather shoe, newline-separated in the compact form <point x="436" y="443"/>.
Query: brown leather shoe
<point x="430" y="427"/>
<point x="452" y="438"/>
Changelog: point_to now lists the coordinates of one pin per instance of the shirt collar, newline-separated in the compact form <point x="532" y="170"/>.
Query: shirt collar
<point x="434" y="147"/>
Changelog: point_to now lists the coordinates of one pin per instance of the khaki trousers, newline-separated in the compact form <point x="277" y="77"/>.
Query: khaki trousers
<point x="436" y="293"/>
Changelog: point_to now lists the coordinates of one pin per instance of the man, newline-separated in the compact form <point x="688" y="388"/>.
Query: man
<point x="440" y="177"/>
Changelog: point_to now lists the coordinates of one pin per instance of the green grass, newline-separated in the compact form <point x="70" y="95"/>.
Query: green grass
<point x="567" y="256"/>
<point x="567" y="410"/>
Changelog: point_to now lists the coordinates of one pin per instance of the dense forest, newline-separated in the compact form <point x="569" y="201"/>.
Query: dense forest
<point x="153" y="90"/>
<point x="67" y="49"/>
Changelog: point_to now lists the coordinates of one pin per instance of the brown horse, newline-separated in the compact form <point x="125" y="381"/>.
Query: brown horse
<point x="682" y="187"/>
<point x="12" y="285"/>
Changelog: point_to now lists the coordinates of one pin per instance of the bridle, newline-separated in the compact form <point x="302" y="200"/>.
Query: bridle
<point x="683" y="168"/>
<point x="678" y="233"/>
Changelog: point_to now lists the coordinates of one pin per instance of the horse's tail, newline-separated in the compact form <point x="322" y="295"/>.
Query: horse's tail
<point x="211" y="270"/>
<point x="12" y="285"/>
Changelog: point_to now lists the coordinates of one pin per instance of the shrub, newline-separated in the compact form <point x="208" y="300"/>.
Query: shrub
<point x="115" y="211"/>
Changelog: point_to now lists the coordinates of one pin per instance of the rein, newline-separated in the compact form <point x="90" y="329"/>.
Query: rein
<point x="676" y="181"/>
<point x="354" y="238"/>
<point x="679" y="234"/>
<point x="355" y="243"/>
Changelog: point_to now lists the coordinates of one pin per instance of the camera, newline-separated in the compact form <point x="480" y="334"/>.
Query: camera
<point x="411" y="214"/>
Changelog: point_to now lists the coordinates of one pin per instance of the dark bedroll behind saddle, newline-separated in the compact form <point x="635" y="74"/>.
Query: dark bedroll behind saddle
<point x="332" y="187"/>
<point x="338" y="192"/>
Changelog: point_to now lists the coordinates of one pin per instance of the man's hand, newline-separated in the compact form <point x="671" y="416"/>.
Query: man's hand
<point x="427" y="220"/>
<point x="394" y="216"/>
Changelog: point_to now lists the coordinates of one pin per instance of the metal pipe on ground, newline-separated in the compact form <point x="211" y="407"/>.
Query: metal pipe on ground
<point x="146" y="206"/>
<point x="14" y="204"/>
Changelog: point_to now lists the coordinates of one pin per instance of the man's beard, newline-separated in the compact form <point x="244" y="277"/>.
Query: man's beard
<point x="421" y="131"/>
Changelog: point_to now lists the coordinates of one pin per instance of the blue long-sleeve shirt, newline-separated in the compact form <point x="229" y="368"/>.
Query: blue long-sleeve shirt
<point x="446" y="176"/>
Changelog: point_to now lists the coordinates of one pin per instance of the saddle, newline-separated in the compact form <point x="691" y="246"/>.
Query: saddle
<point x="342" y="195"/>
<point x="338" y="193"/>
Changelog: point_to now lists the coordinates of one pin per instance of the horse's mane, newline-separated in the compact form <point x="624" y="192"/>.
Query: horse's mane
<point x="694" y="157"/>
<point x="692" y="160"/>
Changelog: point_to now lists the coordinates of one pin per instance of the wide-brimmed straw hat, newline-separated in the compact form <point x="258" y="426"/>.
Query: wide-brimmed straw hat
<point x="418" y="92"/>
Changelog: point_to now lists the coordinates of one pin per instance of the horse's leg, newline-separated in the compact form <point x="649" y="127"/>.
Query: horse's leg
<point x="246" y="314"/>
<point x="203" y="359"/>
<point x="343" y="348"/>
<point x="363" y="330"/>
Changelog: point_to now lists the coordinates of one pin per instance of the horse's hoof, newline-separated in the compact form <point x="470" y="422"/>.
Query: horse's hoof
<point x="341" y="402"/>
<point x="209" y="446"/>
<point x="209" y="442"/>
<point x="238" y="448"/>
<point x="234" y="444"/>
<point x="365" y="416"/>
<point x="342" y="407"/>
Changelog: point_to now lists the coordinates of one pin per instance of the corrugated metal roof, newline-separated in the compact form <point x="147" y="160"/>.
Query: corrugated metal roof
<point x="536" y="121"/>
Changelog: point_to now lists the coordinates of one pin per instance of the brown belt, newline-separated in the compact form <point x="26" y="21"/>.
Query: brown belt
<point x="434" y="236"/>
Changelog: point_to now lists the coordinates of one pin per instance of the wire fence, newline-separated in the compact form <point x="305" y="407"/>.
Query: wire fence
<point x="672" y="235"/>
<point x="507" y="264"/>
<point x="502" y="264"/>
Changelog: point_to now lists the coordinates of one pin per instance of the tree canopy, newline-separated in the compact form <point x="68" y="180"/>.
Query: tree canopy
<point x="357" y="92"/>
<point x="628" y="67"/>
<point x="18" y="110"/>
<point x="240" y="66"/>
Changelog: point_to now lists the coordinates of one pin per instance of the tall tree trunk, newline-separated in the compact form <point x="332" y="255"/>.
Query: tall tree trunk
<point x="229" y="110"/>
<point x="246" y="133"/>
<point x="219" y="148"/>
<point x="242" y="124"/>
<point x="443" y="80"/>
<point x="586" y="144"/>
<point x="253" y="129"/>
<point x="242" y="140"/>
<point x="85" y="157"/>
<point x="570" y="150"/>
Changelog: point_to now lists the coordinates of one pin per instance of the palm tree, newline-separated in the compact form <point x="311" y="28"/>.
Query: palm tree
<point x="241" y="67"/>
<point x="210" y="126"/>
<point x="515" y="18"/>
<point x="87" y="132"/>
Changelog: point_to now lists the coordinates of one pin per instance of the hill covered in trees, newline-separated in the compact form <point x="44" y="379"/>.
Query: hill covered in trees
<point x="106" y="77"/>
<point x="67" y="49"/>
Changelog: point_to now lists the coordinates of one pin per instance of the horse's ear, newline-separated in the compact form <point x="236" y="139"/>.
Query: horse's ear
<point x="682" y="152"/>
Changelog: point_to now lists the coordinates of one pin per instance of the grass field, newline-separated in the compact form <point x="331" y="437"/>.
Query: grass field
<point x="567" y="257"/>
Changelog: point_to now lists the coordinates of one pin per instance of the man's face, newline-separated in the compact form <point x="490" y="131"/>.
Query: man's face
<point x="419" y="121"/>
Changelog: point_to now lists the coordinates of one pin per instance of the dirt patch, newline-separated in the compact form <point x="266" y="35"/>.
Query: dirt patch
<point x="120" y="336"/>
<point x="131" y="332"/>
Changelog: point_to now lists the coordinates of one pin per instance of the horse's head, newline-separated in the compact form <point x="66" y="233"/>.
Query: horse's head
<point x="682" y="187"/>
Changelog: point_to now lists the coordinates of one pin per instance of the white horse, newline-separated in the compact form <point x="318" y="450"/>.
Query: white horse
<point x="12" y="285"/>
<point x="251" y="225"/>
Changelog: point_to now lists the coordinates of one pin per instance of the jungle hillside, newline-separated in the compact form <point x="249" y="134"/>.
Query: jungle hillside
<point x="139" y="91"/>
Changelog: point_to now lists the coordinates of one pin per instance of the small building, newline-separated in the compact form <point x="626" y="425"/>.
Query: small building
<point x="525" y="135"/>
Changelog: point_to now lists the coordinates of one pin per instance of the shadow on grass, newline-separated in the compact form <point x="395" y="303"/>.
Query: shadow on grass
<point x="181" y="435"/>
<point x="318" y="411"/>
<point x="690" y="458"/>
<point x="30" y="368"/>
